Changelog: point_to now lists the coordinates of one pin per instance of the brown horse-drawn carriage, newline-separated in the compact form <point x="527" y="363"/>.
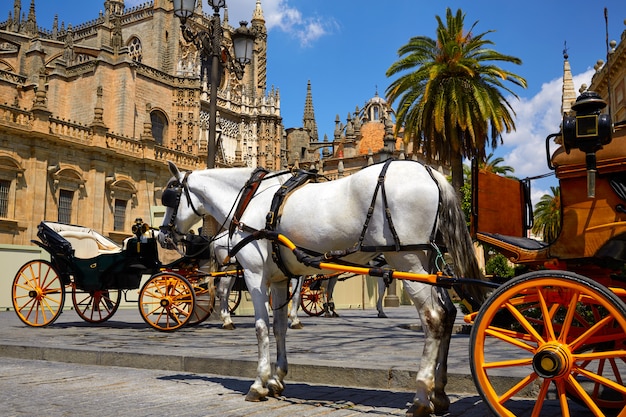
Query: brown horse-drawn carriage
<point x="565" y="321"/>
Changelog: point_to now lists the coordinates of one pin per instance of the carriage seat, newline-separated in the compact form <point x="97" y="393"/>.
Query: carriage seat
<point x="517" y="249"/>
<point x="86" y="242"/>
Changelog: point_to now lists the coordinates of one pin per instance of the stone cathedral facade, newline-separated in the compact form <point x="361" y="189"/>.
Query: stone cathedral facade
<point x="90" y="115"/>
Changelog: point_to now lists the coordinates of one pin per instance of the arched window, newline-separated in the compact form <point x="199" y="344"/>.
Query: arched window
<point x="134" y="49"/>
<point x="159" y="126"/>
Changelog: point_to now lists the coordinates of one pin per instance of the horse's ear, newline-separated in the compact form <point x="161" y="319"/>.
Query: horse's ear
<point x="174" y="169"/>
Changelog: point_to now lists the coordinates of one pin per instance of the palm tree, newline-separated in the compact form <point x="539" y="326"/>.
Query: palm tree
<point x="493" y="165"/>
<point x="450" y="98"/>
<point x="547" y="216"/>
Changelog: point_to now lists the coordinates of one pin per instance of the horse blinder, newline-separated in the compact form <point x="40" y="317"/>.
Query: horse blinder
<point x="171" y="195"/>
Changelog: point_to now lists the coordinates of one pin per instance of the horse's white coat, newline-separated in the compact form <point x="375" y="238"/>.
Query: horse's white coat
<point x="330" y="216"/>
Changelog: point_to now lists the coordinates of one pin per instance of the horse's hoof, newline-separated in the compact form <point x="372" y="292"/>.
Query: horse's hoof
<point x="229" y="326"/>
<point x="441" y="403"/>
<point x="382" y="315"/>
<point x="256" y="396"/>
<point x="420" y="410"/>
<point x="297" y="325"/>
<point x="275" y="387"/>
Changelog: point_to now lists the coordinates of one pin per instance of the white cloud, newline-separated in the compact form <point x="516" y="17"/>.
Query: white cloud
<point x="279" y="15"/>
<point x="536" y="118"/>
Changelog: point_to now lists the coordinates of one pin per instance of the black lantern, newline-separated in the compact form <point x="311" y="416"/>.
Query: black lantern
<point x="183" y="9"/>
<point x="243" y="42"/>
<point x="588" y="131"/>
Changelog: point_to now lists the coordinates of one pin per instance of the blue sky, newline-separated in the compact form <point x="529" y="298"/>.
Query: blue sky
<point x="344" y="48"/>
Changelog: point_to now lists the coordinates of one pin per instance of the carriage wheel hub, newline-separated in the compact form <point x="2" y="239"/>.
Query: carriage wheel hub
<point x="552" y="360"/>
<point x="165" y="302"/>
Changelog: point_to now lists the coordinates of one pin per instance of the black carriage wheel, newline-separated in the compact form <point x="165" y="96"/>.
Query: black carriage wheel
<point x="166" y="301"/>
<point x="38" y="293"/>
<point x="311" y="301"/>
<point x="564" y="337"/>
<point x="96" y="306"/>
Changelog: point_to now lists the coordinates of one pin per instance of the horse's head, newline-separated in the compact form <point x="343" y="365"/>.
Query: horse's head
<point x="180" y="213"/>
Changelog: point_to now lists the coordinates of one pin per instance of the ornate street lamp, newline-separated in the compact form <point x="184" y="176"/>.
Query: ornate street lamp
<point x="209" y="43"/>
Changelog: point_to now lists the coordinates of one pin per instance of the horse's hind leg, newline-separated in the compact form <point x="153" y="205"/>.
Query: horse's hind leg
<point x="437" y="315"/>
<point x="432" y="305"/>
<point x="439" y="397"/>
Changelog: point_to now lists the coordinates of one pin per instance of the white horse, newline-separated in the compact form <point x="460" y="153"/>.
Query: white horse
<point x="330" y="216"/>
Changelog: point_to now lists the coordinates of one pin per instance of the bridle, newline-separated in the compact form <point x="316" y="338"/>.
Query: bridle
<point x="171" y="198"/>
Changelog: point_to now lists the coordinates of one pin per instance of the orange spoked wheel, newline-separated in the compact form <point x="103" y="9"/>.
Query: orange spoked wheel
<point x="312" y="299"/>
<point x="556" y="336"/>
<point x="204" y="290"/>
<point x="96" y="306"/>
<point x="166" y="301"/>
<point x="38" y="293"/>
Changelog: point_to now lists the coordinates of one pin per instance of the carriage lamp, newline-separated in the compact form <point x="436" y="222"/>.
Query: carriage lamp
<point x="588" y="131"/>
<point x="210" y="45"/>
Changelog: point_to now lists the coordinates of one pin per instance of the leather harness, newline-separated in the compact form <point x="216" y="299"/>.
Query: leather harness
<point x="299" y="179"/>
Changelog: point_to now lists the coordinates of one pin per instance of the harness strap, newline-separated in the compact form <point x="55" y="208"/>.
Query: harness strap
<point x="433" y="232"/>
<point x="248" y="192"/>
<point x="380" y="185"/>
<point x="300" y="178"/>
<point x="186" y="190"/>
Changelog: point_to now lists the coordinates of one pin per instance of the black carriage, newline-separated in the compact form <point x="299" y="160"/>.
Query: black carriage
<point x="97" y="271"/>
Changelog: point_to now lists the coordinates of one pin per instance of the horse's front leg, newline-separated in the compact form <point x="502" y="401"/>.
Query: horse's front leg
<point x="280" y="293"/>
<point x="435" y="311"/>
<point x="259" y="391"/>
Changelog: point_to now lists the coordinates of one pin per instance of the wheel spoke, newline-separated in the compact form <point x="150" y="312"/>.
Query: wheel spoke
<point x="517" y="388"/>
<point x="580" y="340"/>
<point x="541" y="398"/>
<point x="499" y="333"/>
<point x="583" y="395"/>
<point x="546" y="315"/>
<point x="524" y="323"/>
<point x="569" y="317"/>
<point x="602" y="381"/>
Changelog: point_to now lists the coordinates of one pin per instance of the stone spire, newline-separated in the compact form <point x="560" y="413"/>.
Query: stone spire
<point x="569" y="93"/>
<point x="17" y="12"/>
<point x="258" y="13"/>
<point x="260" y="47"/>
<point x="31" y="21"/>
<point x="309" y="114"/>
<point x="225" y="20"/>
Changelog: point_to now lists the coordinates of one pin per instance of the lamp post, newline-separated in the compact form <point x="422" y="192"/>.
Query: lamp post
<point x="209" y="43"/>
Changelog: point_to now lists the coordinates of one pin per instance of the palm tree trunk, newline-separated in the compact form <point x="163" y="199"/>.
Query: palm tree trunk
<point x="456" y="164"/>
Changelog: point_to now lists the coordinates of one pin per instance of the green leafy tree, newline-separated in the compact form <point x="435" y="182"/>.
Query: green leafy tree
<point x="547" y="216"/>
<point x="450" y="93"/>
<point x="493" y="165"/>
<point x="498" y="266"/>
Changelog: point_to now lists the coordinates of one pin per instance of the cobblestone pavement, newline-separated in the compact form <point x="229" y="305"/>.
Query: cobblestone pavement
<point x="35" y="388"/>
<point x="353" y="365"/>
